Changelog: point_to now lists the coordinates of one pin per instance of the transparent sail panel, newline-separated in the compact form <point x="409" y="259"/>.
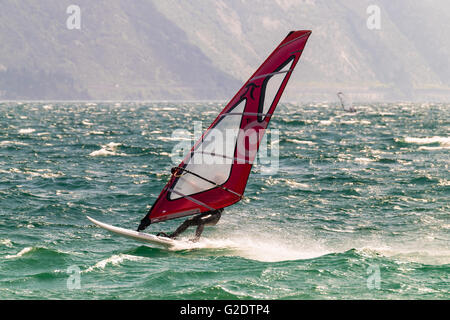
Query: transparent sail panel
<point x="272" y="87"/>
<point x="213" y="157"/>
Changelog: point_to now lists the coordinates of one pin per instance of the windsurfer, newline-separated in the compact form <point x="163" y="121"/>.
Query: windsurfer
<point x="209" y="218"/>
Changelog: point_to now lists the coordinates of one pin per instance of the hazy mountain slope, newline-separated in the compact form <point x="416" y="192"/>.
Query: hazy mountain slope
<point x="154" y="49"/>
<point x="342" y="53"/>
<point x="124" y="50"/>
<point x="428" y="29"/>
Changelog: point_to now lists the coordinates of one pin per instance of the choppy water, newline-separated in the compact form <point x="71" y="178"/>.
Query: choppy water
<point x="357" y="209"/>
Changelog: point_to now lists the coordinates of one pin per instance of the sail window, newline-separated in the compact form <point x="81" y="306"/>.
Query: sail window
<point x="271" y="86"/>
<point x="212" y="158"/>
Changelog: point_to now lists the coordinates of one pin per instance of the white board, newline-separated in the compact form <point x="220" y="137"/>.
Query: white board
<point x="135" y="235"/>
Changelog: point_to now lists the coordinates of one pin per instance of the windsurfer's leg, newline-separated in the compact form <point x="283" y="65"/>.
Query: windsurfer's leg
<point x="200" y="221"/>
<point x="180" y="229"/>
<point x="198" y="232"/>
<point x="208" y="220"/>
<point x="188" y="223"/>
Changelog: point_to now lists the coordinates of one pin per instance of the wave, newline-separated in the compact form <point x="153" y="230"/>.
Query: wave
<point x="41" y="253"/>
<point x="96" y="132"/>
<point x="6" y="242"/>
<point x="176" y="138"/>
<point x="276" y="247"/>
<point x="429" y="256"/>
<point x="291" y="183"/>
<point x="108" y="150"/>
<point x="44" y="173"/>
<point x="338" y="230"/>
<point x="364" y="160"/>
<point x="102" y="152"/>
<point x="326" y="122"/>
<point x="20" y="253"/>
<point x="433" y="148"/>
<point x="86" y="122"/>
<point x="435" y="139"/>
<point x="294" y="184"/>
<point x="113" y="260"/>
<point x="444" y="142"/>
<point x="256" y="247"/>
<point x="26" y="131"/>
<point x="296" y="141"/>
<point x="17" y="143"/>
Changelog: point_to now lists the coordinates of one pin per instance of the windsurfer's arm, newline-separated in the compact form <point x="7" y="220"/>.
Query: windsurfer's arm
<point x="144" y="224"/>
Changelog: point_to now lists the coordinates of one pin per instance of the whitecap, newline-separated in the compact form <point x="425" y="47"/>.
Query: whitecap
<point x="102" y="152"/>
<point x="420" y="255"/>
<point x="177" y="138"/>
<point x="113" y="145"/>
<point x="6" y="142"/>
<point x="6" y="242"/>
<point x="96" y="132"/>
<point x="21" y="253"/>
<point x="113" y="260"/>
<point x="27" y="131"/>
<point x="108" y="150"/>
<point x="433" y="148"/>
<point x="325" y="122"/>
<point x="44" y="173"/>
<point x="364" y="160"/>
<point x="338" y="230"/>
<point x="445" y="141"/>
<point x="295" y="185"/>
<point x="310" y="143"/>
<point x="261" y="248"/>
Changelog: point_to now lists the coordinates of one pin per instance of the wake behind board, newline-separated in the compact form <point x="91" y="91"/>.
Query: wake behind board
<point x="138" y="236"/>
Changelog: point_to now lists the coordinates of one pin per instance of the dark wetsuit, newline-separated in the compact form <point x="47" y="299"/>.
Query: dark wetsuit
<point x="209" y="218"/>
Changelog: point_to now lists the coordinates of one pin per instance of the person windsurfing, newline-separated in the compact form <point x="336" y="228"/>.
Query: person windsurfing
<point x="205" y="188"/>
<point x="209" y="218"/>
<point x="341" y="97"/>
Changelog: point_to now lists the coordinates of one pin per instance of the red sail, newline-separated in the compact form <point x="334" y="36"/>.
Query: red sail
<point x="212" y="178"/>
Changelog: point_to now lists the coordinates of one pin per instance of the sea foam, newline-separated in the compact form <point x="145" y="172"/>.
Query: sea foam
<point x="444" y="142"/>
<point x="27" y="131"/>
<point x="113" y="260"/>
<point x="108" y="150"/>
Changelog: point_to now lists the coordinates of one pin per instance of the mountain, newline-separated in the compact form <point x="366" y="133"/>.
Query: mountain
<point x="167" y="50"/>
<point x="123" y="50"/>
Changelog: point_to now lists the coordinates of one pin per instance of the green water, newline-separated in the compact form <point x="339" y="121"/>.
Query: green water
<point x="357" y="208"/>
